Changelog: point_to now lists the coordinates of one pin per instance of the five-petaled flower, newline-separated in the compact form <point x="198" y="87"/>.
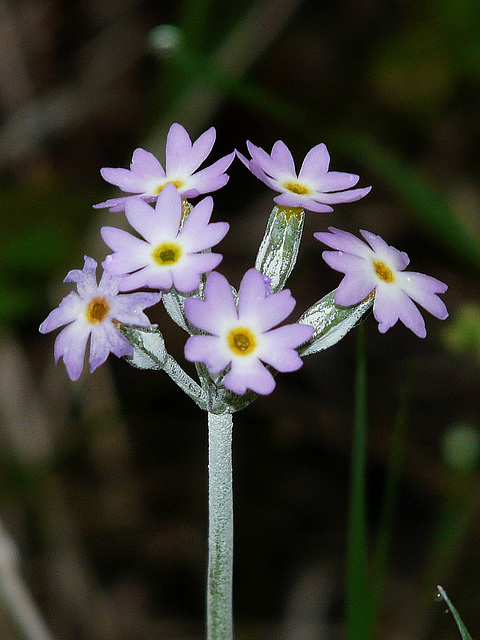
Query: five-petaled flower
<point x="146" y="177"/>
<point x="314" y="189"/>
<point x="89" y="313"/>
<point x="380" y="267"/>
<point x="244" y="336"/>
<point x="172" y="253"/>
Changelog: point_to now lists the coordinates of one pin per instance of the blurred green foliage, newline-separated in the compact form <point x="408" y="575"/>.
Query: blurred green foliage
<point x="39" y="236"/>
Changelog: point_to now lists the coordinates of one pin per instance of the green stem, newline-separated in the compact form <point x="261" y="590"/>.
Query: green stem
<point x="220" y="539"/>
<point x="390" y="493"/>
<point x="358" y="602"/>
<point x="461" y="627"/>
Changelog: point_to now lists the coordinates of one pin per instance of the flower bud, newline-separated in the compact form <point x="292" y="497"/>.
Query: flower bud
<point x="278" y="250"/>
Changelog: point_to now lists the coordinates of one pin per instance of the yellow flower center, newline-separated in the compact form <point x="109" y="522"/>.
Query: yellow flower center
<point x="297" y="188"/>
<point x="177" y="184"/>
<point x="241" y="341"/>
<point x="97" y="310"/>
<point x="383" y="272"/>
<point x="167" y="253"/>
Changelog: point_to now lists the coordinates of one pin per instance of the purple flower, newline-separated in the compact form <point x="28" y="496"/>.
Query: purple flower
<point x="146" y="177"/>
<point x="90" y="313"/>
<point x="170" y="254"/>
<point x="243" y="336"/>
<point x="377" y="266"/>
<point x="315" y="187"/>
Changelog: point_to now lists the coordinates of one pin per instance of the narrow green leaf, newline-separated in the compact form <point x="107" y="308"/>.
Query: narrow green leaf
<point x="359" y="601"/>
<point x="461" y="627"/>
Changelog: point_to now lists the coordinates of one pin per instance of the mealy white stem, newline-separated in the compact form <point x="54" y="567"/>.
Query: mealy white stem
<point x="220" y="539"/>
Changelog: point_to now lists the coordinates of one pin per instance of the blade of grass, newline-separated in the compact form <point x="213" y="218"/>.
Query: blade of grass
<point x="358" y="601"/>
<point x="193" y="18"/>
<point x="390" y="492"/>
<point x="461" y="627"/>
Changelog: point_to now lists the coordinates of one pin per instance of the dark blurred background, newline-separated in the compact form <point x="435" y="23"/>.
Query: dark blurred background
<point x="103" y="481"/>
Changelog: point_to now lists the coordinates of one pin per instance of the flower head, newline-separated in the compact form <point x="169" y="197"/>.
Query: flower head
<point x="243" y="336"/>
<point x="147" y="178"/>
<point x="89" y="313"/>
<point x="314" y="189"/>
<point x="377" y="266"/>
<point x="170" y="254"/>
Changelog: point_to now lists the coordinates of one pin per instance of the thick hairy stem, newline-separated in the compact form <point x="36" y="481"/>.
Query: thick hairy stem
<point x="220" y="539"/>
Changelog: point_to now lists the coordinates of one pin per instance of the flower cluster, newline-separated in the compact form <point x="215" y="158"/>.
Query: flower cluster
<point x="314" y="189"/>
<point x="377" y="266"/>
<point x="173" y="251"/>
<point x="235" y="338"/>
<point x="146" y="177"/>
<point x="90" y="314"/>
<point x="242" y="335"/>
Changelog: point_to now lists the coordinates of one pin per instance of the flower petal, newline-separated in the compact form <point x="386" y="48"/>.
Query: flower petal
<point x="335" y="181"/>
<point x="249" y="374"/>
<point x="213" y="177"/>
<point x="423" y="289"/>
<point x="218" y="309"/>
<point x="145" y="164"/>
<point x="269" y="165"/>
<point x="150" y="276"/>
<point x="209" y="350"/>
<point x="260" y="310"/>
<point x="129" y="307"/>
<point x="130" y="253"/>
<point x="411" y="317"/>
<point x="399" y="258"/>
<point x="178" y="149"/>
<point x="283" y="158"/>
<point x="105" y="339"/>
<point x="315" y="163"/>
<point x="70" y="345"/>
<point x="205" y="238"/>
<point x="278" y="346"/>
<point x="186" y="277"/>
<point x="289" y="199"/>
<point x="114" y="204"/>
<point x="342" y="196"/>
<point x="168" y="212"/>
<point x="385" y="308"/>
<point x="348" y="262"/>
<point x="68" y="311"/>
<point x="354" y="288"/>
<point x="125" y="179"/>
<point x="344" y="241"/>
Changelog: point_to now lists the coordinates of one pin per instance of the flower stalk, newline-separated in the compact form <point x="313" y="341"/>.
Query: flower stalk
<point x="234" y="338"/>
<point x="220" y="537"/>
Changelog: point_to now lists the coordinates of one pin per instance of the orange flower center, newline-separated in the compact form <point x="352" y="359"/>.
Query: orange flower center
<point x="297" y="188"/>
<point x="97" y="310"/>
<point x="383" y="272"/>
<point x="176" y="183"/>
<point x="241" y="341"/>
